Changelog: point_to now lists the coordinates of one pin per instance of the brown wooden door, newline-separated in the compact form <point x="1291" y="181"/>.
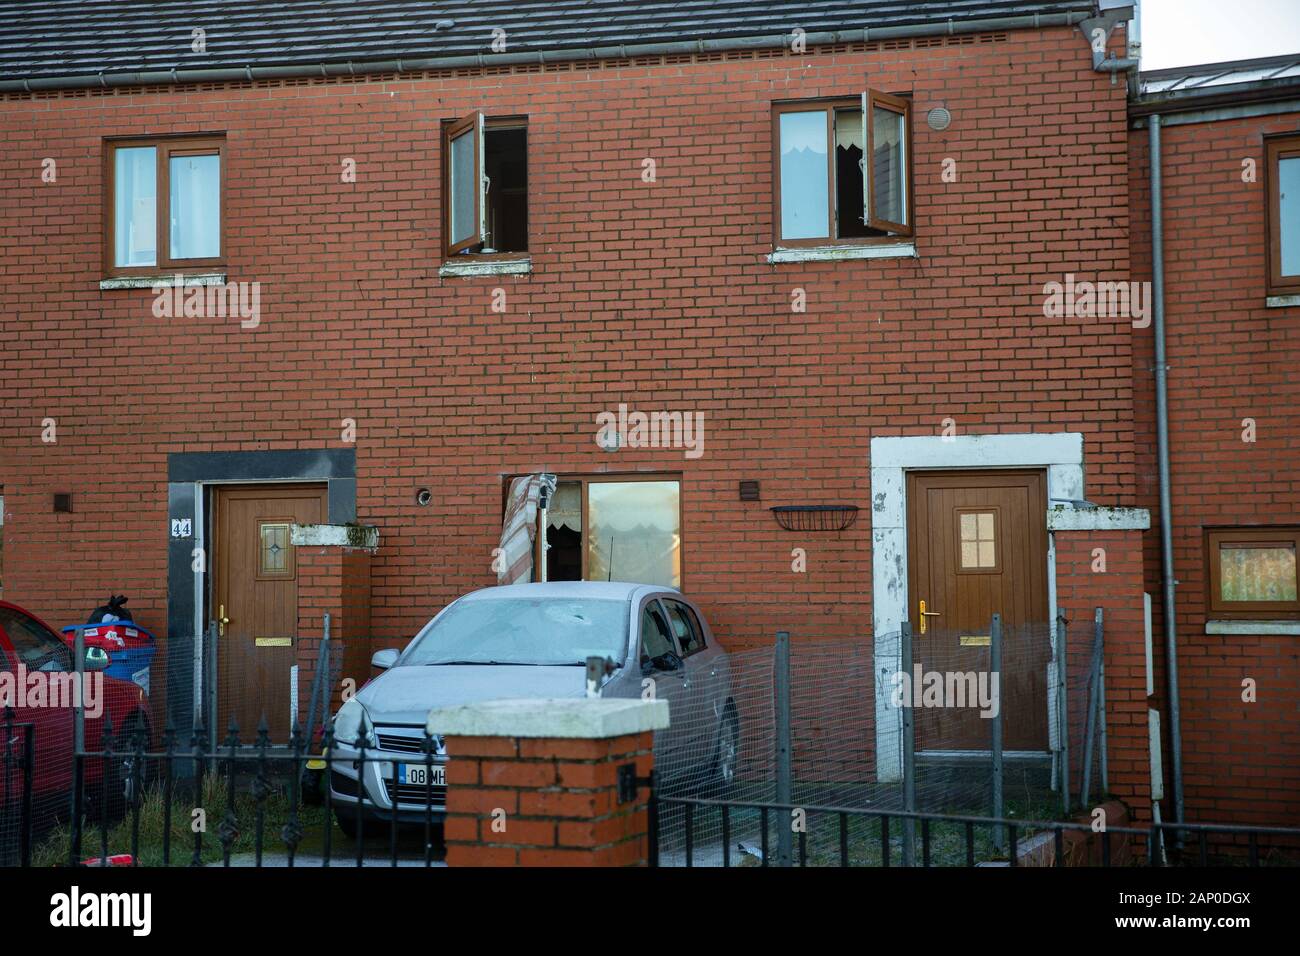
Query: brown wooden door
<point x="257" y="587"/>
<point x="977" y="544"/>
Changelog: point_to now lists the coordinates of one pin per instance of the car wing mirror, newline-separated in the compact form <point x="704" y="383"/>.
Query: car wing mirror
<point x="96" y="659"/>
<point x="382" y="660"/>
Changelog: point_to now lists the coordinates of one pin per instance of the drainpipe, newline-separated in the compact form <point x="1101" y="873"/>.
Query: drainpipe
<point x="1162" y="454"/>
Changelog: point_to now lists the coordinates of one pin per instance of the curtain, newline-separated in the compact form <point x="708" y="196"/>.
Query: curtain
<point x="519" y="529"/>
<point x="565" y="510"/>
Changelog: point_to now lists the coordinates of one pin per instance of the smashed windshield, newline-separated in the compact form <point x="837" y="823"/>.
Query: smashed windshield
<point x="522" y="631"/>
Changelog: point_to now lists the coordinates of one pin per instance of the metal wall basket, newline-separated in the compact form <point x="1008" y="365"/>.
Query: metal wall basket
<point x="815" y="517"/>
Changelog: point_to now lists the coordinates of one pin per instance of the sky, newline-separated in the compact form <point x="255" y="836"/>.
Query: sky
<point x="1185" y="32"/>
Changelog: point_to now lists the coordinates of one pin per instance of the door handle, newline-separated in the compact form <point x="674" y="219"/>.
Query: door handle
<point x="925" y="614"/>
<point x="222" y="621"/>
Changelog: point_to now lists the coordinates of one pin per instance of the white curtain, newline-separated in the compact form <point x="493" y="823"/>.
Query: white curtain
<point x="565" y="509"/>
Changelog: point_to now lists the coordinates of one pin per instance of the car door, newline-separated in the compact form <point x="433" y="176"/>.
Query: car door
<point x="661" y="662"/>
<point x="23" y="640"/>
<point x="698" y="685"/>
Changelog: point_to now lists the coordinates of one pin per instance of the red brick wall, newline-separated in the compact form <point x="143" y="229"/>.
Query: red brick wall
<point x="657" y="295"/>
<point x="334" y="581"/>
<point x="1230" y="358"/>
<point x="1118" y="592"/>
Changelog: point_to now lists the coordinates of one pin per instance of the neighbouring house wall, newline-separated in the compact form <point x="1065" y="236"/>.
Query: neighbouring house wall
<point x="1230" y="358"/>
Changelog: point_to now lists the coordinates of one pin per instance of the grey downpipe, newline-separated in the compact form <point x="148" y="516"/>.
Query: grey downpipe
<point x="1162" y="454"/>
<point x="405" y="64"/>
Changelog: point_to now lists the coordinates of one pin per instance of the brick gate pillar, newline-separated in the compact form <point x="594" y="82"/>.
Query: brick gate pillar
<point x="537" y="782"/>
<point x="1099" y="563"/>
<point x="333" y="571"/>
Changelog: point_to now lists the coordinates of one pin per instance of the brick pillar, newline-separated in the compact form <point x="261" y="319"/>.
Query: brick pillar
<point x="333" y="573"/>
<point x="1099" y="563"/>
<point x="535" y="782"/>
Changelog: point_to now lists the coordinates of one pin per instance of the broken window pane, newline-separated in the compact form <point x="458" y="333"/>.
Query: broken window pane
<point x="850" y="146"/>
<point x="564" y="533"/>
<point x="805" y="192"/>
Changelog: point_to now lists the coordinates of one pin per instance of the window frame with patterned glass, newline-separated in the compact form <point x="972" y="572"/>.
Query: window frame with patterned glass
<point x="1279" y="538"/>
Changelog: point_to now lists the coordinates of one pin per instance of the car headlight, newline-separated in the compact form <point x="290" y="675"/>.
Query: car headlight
<point x="352" y="725"/>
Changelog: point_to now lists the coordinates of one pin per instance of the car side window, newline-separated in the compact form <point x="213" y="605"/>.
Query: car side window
<point x="686" y="627"/>
<point x="655" y="636"/>
<point x="36" y="647"/>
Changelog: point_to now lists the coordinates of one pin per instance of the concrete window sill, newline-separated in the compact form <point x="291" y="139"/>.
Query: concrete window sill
<point x="1266" y="628"/>
<point x="888" y="250"/>
<point x="148" y="282"/>
<point x="466" y="266"/>
<point x="1282" y="301"/>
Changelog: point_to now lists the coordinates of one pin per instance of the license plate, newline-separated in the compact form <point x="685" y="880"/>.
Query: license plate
<point x="421" y="775"/>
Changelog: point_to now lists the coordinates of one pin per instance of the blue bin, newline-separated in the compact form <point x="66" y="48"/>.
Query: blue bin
<point x="131" y="648"/>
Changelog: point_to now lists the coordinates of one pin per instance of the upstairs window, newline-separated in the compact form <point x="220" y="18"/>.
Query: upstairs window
<point x="165" y="205"/>
<point x="843" y="170"/>
<point x="485" y="185"/>
<point x="1283" y="174"/>
<point x="1252" y="573"/>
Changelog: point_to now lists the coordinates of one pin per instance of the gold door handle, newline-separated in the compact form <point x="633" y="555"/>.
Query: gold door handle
<point x="924" y="614"/>
<point x="222" y="621"/>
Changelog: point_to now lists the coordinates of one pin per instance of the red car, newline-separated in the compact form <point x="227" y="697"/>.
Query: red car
<point x="26" y="639"/>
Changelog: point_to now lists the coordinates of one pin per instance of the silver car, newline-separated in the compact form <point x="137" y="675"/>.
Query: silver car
<point x="533" y="640"/>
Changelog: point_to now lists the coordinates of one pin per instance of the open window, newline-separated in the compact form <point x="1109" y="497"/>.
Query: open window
<point x="1283" y="177"/>
<point x="1252" y="573"/>
<point x="485" y="182"/>
<point x="843" y="170"/>
<point x="164" y="205"/>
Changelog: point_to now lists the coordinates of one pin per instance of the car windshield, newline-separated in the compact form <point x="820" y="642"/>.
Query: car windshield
<point x="522" y="631"/>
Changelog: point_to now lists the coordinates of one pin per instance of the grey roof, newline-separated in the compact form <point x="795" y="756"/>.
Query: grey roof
<point x="1218" y="75"/>
<point x="48" y="39"/>
<point x="1191" y="87"/>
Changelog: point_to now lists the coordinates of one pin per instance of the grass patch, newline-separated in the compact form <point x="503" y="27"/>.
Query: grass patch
<point x="54" y="849"/>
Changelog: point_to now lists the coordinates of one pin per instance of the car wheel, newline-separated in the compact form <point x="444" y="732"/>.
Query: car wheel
<point x="312" y="787"/>
<point x="727" y="756"/>
<point x="347" y="823"/>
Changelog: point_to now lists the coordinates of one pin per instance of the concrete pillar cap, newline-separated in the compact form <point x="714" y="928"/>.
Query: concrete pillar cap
<point x="580" y="718"/>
